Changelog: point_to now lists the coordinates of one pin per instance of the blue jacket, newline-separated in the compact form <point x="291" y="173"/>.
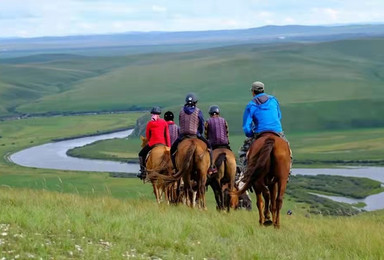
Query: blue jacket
<point x="261" y="114"/>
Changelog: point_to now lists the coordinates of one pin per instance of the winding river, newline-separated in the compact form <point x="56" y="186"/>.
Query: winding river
<point x="54" y="156"/>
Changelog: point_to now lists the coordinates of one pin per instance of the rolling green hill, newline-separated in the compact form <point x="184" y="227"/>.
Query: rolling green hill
<point x="332" y="85"/>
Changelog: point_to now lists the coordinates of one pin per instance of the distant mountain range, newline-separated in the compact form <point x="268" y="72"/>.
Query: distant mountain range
<point x="266" y="34"/>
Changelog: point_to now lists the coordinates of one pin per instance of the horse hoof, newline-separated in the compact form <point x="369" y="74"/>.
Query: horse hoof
<point x="268" y="223"/>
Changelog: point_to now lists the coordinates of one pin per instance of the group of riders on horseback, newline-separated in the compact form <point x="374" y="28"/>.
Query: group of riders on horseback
<point x="262" y="114"/>
<point x="269" y="155"/>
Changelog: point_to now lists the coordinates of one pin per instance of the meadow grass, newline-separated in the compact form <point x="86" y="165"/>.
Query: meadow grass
<point x="43" y="224"/>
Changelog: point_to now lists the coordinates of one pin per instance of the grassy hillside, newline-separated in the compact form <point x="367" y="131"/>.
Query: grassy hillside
<point x="27" y="79"/>
<point x="320" y="86"/>
<point x="42" y="224"/>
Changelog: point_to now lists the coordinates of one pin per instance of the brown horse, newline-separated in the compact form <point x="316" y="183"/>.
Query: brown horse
<point x="224" y="180"/>
<point x="192" y="160"/>
<point x="267" y="172"/>
<point x="159" y="161"/>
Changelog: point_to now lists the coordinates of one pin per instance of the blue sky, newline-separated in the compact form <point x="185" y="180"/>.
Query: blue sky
<point x="33" y="18"/>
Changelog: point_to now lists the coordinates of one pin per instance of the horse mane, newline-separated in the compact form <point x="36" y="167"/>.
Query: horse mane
<point x="257" y="165"/>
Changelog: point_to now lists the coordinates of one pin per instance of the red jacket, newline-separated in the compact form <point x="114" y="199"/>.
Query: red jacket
<point x="157" y="133"/>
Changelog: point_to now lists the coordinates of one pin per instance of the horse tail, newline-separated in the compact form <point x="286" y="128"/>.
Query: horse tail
<point x="188" y="159"/>
<point x="177" y="176"/>
<point x="220" y="159"/>
<point x="257" y="165"/>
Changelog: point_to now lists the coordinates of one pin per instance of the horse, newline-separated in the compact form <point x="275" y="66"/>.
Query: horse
<point x="267" y="173"/>
<point x="192" y="160"/>
<point x="223" y="181"/>
<point x="159" y="161"/>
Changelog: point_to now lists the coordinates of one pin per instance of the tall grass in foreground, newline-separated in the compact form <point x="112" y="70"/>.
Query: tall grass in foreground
<point x="42" y="224"/>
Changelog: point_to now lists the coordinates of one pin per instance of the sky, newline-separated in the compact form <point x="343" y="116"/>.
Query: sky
<point x="35" y="18"/>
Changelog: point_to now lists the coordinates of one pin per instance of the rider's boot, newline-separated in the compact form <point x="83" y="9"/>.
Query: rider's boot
<point x="143" y="172"/>
<point x="212" y="168"/>
<point x="173" y="161"/>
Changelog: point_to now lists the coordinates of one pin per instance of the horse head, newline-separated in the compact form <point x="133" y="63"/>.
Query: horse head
<point x="144" y="141"/>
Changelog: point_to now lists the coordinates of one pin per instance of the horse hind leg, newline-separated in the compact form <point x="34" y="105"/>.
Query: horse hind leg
<point x="218" y="195"/>
<point x="260" y="205"/>
<point x="279" y="201"/>
<point x="156" y="192"/>
<point x="267" y="201"/>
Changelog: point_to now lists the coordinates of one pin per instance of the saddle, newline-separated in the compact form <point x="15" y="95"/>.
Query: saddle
<point x="166" y="148"/>
<point x="257" y="135"/>
<point x="226" y="146"/>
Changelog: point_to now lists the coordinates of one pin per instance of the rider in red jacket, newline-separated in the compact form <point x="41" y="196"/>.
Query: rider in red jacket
<point x="157" y="133"/>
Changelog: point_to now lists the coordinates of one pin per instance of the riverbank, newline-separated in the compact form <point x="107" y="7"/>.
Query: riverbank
<point x="98" y="133"/>
<point x="110" y="153"/>
<point x="331" y="149"/>
<point x="53" y="156"/>
<point x="301" y="188"/>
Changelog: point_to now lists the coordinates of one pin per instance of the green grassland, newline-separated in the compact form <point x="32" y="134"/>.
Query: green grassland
<point x="42" y="224"/>
<point x="332" y="100"/>
<point x="70" y="214"/>
<point x="331" y="85"/>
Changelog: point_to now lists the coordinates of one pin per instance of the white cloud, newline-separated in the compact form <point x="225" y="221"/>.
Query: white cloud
<point x="289" y="20"/>
<point x="50" y="17"/>
<point x="327" y="13"/>
<point x="159" y="9"/>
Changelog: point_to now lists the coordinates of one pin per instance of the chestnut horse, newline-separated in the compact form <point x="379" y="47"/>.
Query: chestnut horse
<point x="223" y="181"/>
<point x="159" y="161"/>
<point x="267" y="173"/>
<point x="192" y="161"/>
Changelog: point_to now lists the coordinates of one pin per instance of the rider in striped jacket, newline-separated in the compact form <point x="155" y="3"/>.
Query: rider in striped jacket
<point x="216" y="129"/>
<point x="191" y="123"/>
<point x="174" y="129"/>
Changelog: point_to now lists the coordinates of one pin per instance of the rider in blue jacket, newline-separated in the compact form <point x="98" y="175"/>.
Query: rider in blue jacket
<point x="261" y="114"/>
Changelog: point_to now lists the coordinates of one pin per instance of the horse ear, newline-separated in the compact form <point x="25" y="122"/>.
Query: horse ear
<point x="142" y="137"/>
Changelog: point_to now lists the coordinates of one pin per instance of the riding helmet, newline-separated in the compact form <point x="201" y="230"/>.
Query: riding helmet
<point x="191" y="99"/>
<point x="214" y="110"/>
<point x="156" y="110"/>
<point x="168" y="116"/>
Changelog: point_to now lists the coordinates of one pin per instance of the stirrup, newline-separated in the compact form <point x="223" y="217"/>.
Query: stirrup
<point x="212" y="170"/>
<point x="142" y="175"/>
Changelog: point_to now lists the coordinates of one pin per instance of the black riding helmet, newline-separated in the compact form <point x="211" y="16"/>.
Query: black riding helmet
<point x="168" y="116"/>
<point x="214" y="110"/>
<point x="191" y="99"/>
<point x="156" y="110"/>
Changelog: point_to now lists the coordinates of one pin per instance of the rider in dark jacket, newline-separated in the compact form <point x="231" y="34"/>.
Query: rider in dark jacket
<point x="191" y="122"/>
<point x="216" y="129"/>
<point x="174" y="129"/>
